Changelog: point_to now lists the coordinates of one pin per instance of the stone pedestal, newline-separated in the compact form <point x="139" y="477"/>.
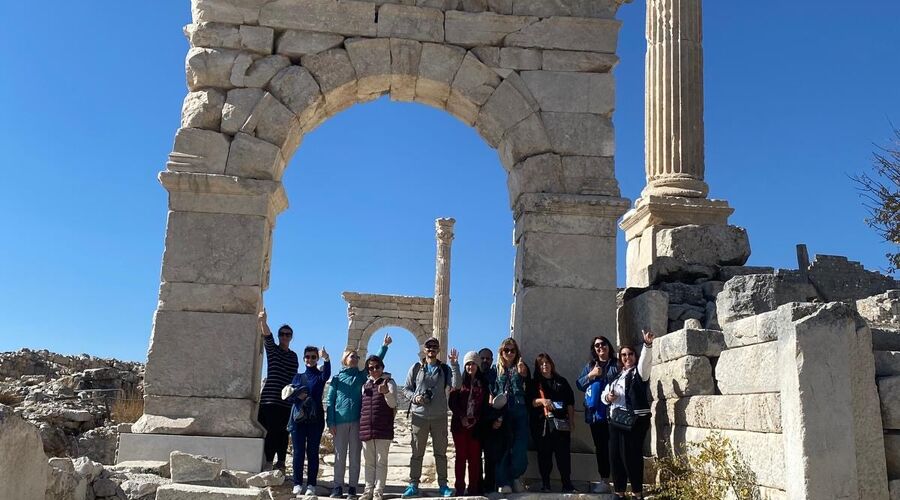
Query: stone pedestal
<point x="244" y="454"/>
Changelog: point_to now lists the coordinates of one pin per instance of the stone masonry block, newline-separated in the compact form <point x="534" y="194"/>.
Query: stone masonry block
<point x="251" y="38"/>
<point x="334" y="72"/>
<point x="193" y="492"/>
<point x="589" y="175"/>
<point x="484" y="28"/>
<point x="708" y="245"/>
<point x="564" y="260"/>
<point x="410" y="22"/>
<point x="472" y="86"/>
<point x="684" y="376"/>
<point x="371" y="59"/>
<point x="688" y="342"/>
<point x="437" y="68"/>
<point x="187" y="468"/>
<point x="226" y="11"/>
<point x="345" y="17"/>
<point x="210" y="67"/>
<point x="646" y="311"/>
<point x="568" y="8"/>
<point x="892" y="456"/>
<point x="748" y="369"/>
<point x="197" y="150"/>
<point x="581" y="134"/>
<point x="176" y="367"/>
<point x="259" y="72"/>
<point x="881" y="310"/>
<point x="527" y="138"/>
<point x="567" y="33"/>
<point x="745" y="296"/>
<point x="889" y="394"/>
<point x="887" y="363"/>
<point x="203" y="109"/>
<point x="295" y="44"/>
<point x="405" y="57"/>
<point x="744" y="412"/>
<point x="488" y="55"/>
<point x="566" y="60"/>
<point x="518" y="58"/>
<point x="195" y="416"/>
<point x="572" y="92"/>
<point x="537" y="174"/>
<point x="764" y="327"/>
<point x="505" y="108"/>
<point x="298" y="90"/>
<point x="215" y="248"/>
<point x="238" y="108"/>
<point x="253" y="158"/>
<point x="763" y="452"/>
<point x="209" y="298"/>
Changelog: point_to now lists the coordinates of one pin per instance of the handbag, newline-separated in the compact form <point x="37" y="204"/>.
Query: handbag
<point x="557" y="424"/>
<point x="622" y="418"/>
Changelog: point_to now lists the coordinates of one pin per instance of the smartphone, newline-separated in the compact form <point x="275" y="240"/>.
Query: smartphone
<point x="557" y="405"/>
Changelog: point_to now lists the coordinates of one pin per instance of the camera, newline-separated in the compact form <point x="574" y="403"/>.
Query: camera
<point x="427" y="396"/>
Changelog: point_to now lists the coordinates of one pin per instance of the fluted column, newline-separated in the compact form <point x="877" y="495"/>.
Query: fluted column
<point x="673" y="138"/>
<point x="441" y="322"/>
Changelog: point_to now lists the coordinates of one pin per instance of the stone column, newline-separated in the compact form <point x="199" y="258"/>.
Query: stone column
<point x="444" y="237"/>
<point x="674" y="99"/>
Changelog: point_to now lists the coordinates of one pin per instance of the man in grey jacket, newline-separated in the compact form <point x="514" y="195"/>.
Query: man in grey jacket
<point x="426" y="388"/>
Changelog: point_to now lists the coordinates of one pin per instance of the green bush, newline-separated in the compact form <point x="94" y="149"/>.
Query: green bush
<point x="709" y="469"/>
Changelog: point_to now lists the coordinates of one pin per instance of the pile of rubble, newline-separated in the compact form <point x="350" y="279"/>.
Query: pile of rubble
<point x="69" y="399"/>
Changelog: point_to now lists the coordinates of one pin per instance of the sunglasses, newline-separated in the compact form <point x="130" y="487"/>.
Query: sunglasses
<point x="354" y="356"/>
<point x="600" y="344"/>
<point x="311" y="356"/>
<point x="285" y="334"/>
<point x="372" y="368"/>
<point x="431" y="348"/>
<point x="626" y="354"/>
<point x="508" y="350"/>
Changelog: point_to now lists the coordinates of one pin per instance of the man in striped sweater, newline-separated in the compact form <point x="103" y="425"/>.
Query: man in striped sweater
<point x="274" y="413"/>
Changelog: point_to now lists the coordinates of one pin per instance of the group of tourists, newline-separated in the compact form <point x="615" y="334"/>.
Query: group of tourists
<point x="495" y="408"/>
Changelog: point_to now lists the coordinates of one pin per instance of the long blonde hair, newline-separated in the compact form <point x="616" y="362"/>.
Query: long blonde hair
<point x="509" y="341"/>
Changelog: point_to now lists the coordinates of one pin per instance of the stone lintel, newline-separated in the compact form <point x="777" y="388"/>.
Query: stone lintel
<point x="671" y="211"/>
<point x="196" y="192"/>
<point x="567" y="214"/>
<point x="380" y="297"/>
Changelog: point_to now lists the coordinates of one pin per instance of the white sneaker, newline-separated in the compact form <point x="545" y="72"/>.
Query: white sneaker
<point x="298" y="489"/>
<point x="517" y="486"/>
<point x="310" y="491"/>
<point x="601" y="487"/>
<point x="504" y="490"/>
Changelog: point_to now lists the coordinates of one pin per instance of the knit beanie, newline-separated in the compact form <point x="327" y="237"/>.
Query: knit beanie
<point x="471" y="357"/>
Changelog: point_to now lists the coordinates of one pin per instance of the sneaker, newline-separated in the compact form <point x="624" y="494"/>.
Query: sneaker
<point x="504" y="490"/>
<point x="569" y="489"/>
<point x="411" y="491"/>
<point x="367" y="495"/>
<point x="351" y="493"/>
<point x="298" y="489"/>
<point x="337" y="492"/>
<point x="310" y="491"/>
<point x="445" y="491"/>
<point x="601" y="487"/>
<point x="517" y="486"/>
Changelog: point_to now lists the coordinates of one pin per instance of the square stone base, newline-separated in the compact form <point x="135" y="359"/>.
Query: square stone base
<point x="245" y="454"/>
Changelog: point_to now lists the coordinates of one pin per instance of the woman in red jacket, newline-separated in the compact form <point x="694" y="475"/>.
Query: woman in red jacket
<point x="468" y="404"/>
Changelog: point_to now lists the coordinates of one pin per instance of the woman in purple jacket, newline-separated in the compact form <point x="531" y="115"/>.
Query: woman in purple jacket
<point x="376" y="426"/>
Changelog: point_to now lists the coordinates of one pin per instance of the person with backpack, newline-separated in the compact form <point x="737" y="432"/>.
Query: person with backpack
<point x="426" y="388"/>
<point x="342" y="411"/>
<point x="378" y="406"/>
<point x="596" y="374"/>
<point x="307" y="422"/>
<point x="511" y="421"/>
<point x="274" y="412"/>
<point x="629" y="417"/>
<point x="553" y="413"/>
<point x="468" y="404"/>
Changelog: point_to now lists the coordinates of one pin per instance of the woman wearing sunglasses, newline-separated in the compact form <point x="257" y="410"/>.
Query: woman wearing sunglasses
<point x="597" y="373"/>
<point x="342" y="412"/>
<point x="629" y="417"/>
<point x="307" y="423"/>
<point x="508" y="394"/>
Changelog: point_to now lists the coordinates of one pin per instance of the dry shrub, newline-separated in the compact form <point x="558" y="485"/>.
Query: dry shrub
<point x="9" y="398"/>
<point x="127" y="408"/>
<point x="709" y="469"/>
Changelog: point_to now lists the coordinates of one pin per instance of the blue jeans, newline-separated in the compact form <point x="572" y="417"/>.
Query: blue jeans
<point x="306" y="439"/>
<point x="513" y="461"/>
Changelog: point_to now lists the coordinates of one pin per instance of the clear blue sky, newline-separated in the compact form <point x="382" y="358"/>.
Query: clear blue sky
<point x="796" y="95"/>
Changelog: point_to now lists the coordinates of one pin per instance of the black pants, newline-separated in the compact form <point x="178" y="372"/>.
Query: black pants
<point x="274" y="418"/>
<point x="600" y="433"/>
<point x="491" y="450"/>
<point x="626" y="455"/>
<point x="557" y="444"/>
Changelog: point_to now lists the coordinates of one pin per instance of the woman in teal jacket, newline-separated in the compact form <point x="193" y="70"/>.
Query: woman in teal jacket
<point x="342" y="417"/>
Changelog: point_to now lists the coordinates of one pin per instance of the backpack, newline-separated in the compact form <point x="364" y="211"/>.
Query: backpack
<point x="307" y="412"/>
<point x="417" y="370"/>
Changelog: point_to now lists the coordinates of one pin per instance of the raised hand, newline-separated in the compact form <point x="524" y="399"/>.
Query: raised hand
<point x="387" y="339"/>
<point x="648" y="336"/>
<point x="522" y="368"/>
<point x="454" y="356"/>
<point x="596" y="372"/>
<point x="323" y="354"/>
<point x="383" y="389"/>
<point x="263" y="326"/>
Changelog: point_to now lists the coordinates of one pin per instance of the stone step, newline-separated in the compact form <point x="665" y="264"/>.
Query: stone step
<point x="193" y="492"/>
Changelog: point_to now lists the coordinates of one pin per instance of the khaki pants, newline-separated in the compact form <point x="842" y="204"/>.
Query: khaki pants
<point x="421" y="428"/>
<point x="346" y="438"/>
<point x="375" y="453"/>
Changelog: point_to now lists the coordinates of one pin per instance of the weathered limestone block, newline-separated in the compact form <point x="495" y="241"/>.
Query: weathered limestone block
<point x="488" y="55"/>
<point x="259" y="72"/>
<point x="567" y="33"/>
<point x="193" y="492"/>
<point x="886" y="339"/>
<point x="745" y="412"/>
<point x="889" y="394"/>
<point x="187" y="468"/>
<point x="410" y="22"/>
<point x="646" y="311"/>
<point x="537" y="174"/>
<point x="725" y="273"/>
<point x="572" y="92"/>
<point x="405" y="57"/>
<point x="196" y="416"/>
<point x="63" y="483"/>
<point x="748" y="370"/>
<point x="437" y="69"/>
<point x="887" y="363"/>
<point x="210" y="67"/>
<point x="706" y="245"/>
<point x="570" y="8"/>
<point x="23" y="465"/>
<point x="745" y="296"/>
<point x="485" y="28"/>
<point x="527" y="138"/>
<point x="208" y="298"/>
<point x="345" y="17"/>
<point x="764" y="327"/>
<point x="589" y="175"/>
<point x="175" y="365"/>
<point x="505" y="108"/>
<point x="256" y="39"/>
<point x="882" y="309"/>
<point x="684" y="376"/>
<point x="580" y="134"/>
<point x="299" y="91"/>
<point x="688" y="342"/>
<point x="239" y="106"/>
<point x="268" y="478"/>
<point x="220" y="194"/>
<point x="336" y="77"/>
<point x="275" y="124"/>
<point x="518" y="58"/>
<point x="682" y="293"/>
<point x="226" y="11"/>
<point x="202" y="109"/>
<point x="197" y="150"/>
<point x="294" y="43"/>
<point x="254" y="158"/>
<point x="472" y="86"/>
<point x="215" y="248"/>
<point x="566" y="60"/>
<point x="371" y="59"/>
<point x="892" y="456"/>
<point x="541" y="260"/>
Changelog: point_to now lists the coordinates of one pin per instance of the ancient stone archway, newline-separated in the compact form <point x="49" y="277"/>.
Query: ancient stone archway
<point x="367" y="313"/>
<point x="531" y="76"/>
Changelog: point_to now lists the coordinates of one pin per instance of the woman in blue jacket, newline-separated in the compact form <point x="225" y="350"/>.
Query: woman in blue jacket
<point x="509" y="377"/>
<point x="307" y="423"/>
<point x="597" y="373"/>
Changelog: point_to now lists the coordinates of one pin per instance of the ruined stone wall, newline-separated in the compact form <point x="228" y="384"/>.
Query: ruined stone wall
<point x="882" y="313"/>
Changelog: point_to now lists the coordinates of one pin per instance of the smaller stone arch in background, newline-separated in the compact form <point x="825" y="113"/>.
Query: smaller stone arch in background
<point x="368" y="313"/>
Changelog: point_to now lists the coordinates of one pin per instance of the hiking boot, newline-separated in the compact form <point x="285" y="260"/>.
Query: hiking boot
<point x="411" y="491"/>
<point x="337" y="492"/>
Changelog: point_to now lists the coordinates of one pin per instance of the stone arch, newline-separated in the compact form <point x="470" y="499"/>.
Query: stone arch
<point x="367" y="313"/>
<point x="532" y="77"/>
